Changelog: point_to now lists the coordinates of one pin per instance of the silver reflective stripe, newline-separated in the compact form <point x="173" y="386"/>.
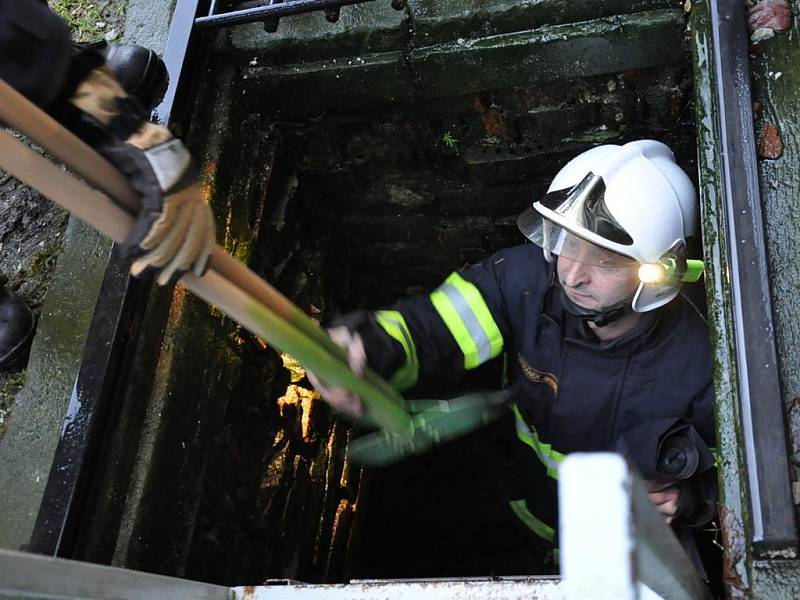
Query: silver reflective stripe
<point x="470" y="320"/>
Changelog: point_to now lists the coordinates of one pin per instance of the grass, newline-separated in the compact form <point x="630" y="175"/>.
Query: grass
<point x="83" y="17"/>
<point x="450" y="141"/>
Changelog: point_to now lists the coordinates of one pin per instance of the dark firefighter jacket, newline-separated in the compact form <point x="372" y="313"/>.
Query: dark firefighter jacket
<point x="570" y="392"/>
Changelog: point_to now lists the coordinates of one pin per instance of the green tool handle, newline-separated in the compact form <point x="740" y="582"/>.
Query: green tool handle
<point x="254" y="285"/>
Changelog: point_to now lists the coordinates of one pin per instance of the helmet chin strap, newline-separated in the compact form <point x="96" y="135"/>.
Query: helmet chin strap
<point x="600" y="318"/>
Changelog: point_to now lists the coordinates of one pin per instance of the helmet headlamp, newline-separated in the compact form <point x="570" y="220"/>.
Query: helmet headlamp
<point x="671" y="270"/>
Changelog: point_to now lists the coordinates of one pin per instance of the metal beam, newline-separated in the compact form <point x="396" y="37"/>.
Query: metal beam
<point x="33" y="576"/>
<point x="774" y="530"/>
<point x="112" y="333"/>
<point x="272" y="11"/>
<point x="178" y="43"/>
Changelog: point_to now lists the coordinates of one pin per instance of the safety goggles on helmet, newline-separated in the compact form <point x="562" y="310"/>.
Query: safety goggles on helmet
<point x="560" y="241"/>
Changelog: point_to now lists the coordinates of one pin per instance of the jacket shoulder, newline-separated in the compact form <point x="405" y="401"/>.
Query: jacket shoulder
<point x="520" y="267"/>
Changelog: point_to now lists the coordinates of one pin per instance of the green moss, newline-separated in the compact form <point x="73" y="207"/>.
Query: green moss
<point x="43" y="260"/>
<point x="10" y="384"/>
<point x="34" y="277"/>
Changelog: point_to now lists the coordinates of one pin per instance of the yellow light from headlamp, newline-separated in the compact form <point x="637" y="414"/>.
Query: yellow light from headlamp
<point x="652" y="273"/>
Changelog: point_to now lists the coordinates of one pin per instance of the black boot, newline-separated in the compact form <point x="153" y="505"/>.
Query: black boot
<point x="16" y="329"/>
<point x="139" y="71"/>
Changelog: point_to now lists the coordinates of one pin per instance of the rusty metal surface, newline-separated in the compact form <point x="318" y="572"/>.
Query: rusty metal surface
<point x="734" y="555"/>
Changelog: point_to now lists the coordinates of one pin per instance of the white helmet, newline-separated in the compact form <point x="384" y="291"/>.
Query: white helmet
<point x="633" y="200"/>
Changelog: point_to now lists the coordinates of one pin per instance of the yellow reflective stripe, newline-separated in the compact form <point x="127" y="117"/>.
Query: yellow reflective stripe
<point x="539" y="527"/>
<point x="481" y="310"/>
<point x="449" y="315"/>
<point x="550" y="458"/>
<point x="465" y="313"/>
<point x="395" y="325"/>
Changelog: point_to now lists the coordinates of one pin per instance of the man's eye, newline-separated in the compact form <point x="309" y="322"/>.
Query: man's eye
<point x="614" y="263"/>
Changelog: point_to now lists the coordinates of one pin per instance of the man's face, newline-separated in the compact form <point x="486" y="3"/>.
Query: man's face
<point x="595" y="278"/>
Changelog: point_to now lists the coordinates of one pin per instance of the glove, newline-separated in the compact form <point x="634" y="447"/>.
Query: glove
<point x="174" y="230"/>
<point x="360" y="335"/>
<point x="340" y="399"/>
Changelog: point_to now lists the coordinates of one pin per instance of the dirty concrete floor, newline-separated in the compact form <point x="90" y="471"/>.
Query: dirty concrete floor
<point x="32" y="227"/>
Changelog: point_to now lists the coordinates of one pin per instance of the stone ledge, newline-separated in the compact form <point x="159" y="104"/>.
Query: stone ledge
<point x="436" y="21"/>
<point x="366" y="80"/>
<point x="600" y="46"/>
<point x="376" y="27"/>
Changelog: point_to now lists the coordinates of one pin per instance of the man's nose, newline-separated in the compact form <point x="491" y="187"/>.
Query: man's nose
<point x="573" y="273"/>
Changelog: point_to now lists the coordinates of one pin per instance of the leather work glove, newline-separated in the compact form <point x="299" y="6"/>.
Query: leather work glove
<point x="174" y="230"/>
<point x="340" y="399"/>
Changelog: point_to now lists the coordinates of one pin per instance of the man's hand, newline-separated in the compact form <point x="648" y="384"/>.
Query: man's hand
<point x="665" y="497"/>
<point x="340" y="399"/>
<point x="174" y="230"/>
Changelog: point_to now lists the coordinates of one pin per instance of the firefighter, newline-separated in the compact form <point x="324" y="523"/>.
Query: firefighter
<point x="600" y="341"/>
<point x="174" y="230"/>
